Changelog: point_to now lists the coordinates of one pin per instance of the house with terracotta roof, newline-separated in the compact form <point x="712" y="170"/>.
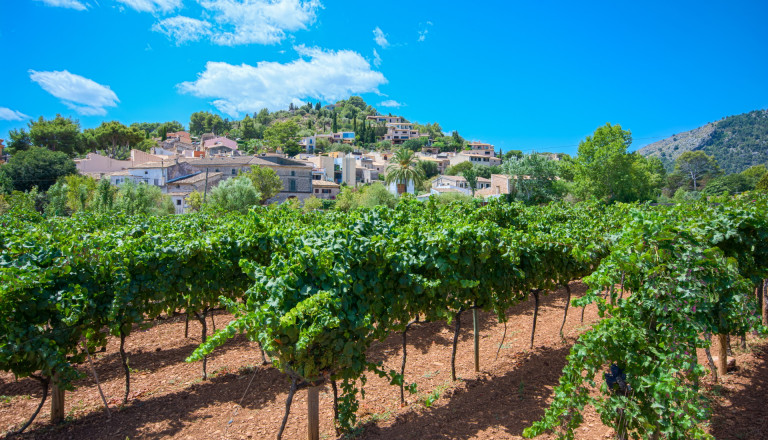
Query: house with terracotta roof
<point x="325" y="190"/>
<point x="220" y="146"/>
<point x="181" y="136"/>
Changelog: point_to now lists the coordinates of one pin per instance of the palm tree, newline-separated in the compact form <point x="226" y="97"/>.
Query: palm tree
<point x="403" y="169"/>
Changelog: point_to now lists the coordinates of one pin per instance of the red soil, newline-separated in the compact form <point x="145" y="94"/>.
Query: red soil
<point x="169" y="399"/>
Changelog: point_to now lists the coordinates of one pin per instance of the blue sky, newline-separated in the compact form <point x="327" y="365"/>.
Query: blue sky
<point x="521" y="75"/>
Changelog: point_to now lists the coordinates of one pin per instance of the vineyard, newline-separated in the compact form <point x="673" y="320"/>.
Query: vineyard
<point x="315" y="291"/>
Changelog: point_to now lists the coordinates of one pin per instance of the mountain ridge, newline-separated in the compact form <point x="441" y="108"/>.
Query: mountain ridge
<point x="737" y="142"/>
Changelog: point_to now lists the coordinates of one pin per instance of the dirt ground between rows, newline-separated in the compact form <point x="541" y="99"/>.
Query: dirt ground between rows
<point x="245" y="400"/>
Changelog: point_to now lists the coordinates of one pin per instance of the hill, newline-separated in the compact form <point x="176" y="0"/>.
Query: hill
<point x="736" y="142"/>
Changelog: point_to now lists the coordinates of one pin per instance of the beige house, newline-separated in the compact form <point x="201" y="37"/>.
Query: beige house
<point x="397" y="133"/>
<point x="385" y="119"/>
<point x="457" y="184"/>
<point x="325" y="190"/>
<point x="481" y="146"/>
<point x="296" y="175"/>
<point x="500" y="185"/>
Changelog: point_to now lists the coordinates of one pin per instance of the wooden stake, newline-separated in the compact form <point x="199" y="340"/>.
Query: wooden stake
<point x="456" y="330"/>
<point x="535" y="314"/>
<point x="764" y="292"/>
<point x="722" y="354"/>
<point x="57" y="402"/>
<point x="313" y="413"/>
<point x="476" y="327"/>
<point x="565" y="315"/>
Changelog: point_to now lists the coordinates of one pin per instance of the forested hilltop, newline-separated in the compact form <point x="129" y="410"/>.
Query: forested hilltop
<point x="736" y="142"/>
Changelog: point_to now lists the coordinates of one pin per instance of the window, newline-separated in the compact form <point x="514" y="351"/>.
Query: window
<point x="326" y="191"/>
<point x="157" y="182"/>
<point x="178" y="202"/>
<point x="234" y="171"/>
<point x="146" y="172"/>
<point x="292" y="185"/>
<point x="216" y="171"/>
<point x="293" y="173"/>
<point x="317" y="191"/>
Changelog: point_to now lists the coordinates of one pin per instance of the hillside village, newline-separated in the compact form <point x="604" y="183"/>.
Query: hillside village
<point x="181" y="163"/>
<point x="326" y="156"/>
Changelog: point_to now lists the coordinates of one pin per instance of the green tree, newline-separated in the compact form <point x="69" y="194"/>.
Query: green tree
<point x="459" y="168"/>
<point x="195" y="201"/>
<point x="754" y="174"/>
<point x="375" y="194"/>
<point x="403" y="169"/>
<point x="135" y="199"/>
<point x="236" y="194"/>
<point x="57" y="200"/>
<point x="6" y="183"/>
<point x="263" y="117"/>
<point x="248" y="128"/>
<point x="266" y="181"/>
<point x="415" y="144"/>
<point x="470" y="175"/>
<point x="512" y="154"/>
<point x="342" y="148"/>
<point x="312" y="204"/>
<point x="206" y="122"/>
<point x="731" y="184"/>
<point x="115" y="138"/>
<point x="335" y="124"/>
<point x="80" y="191"/>
<point x="605" y="170"/>
<point x="428" y="167"/>
<point x="19" y="141"/>
<point x="535" y="178"/>
<point x="104" y="198"/>
<point x="457" y="142"/>
<point x="38" y="167"/>
<point x="762" y="185"/>
<point x="284" y="136"/>
<point x="322" y="145"/>
<point x="58" y="134"/>
<point x="696" y="165"/>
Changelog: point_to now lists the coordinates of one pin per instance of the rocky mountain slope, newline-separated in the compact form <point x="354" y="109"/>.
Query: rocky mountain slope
<point x="737" y="142"/>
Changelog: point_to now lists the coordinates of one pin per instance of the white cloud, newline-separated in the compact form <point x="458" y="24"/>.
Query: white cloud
<point x="258" y="21"/>
<point x="376" y="58"/>
<point x="152" y="5"/>
<point x="326" y="75"/>
<point x="182" y="29"/>
<point x="7" y="114"/>
<point x="71" y="4"/>
<point x="424" y="31"/>
<point x="380" y="37"/>
<point x="391" y="103"/>
<point x="82" y="95"/>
